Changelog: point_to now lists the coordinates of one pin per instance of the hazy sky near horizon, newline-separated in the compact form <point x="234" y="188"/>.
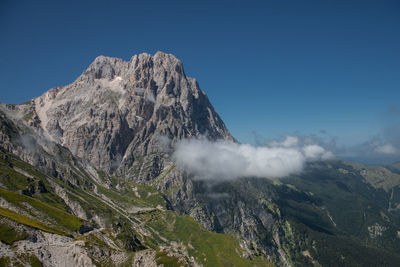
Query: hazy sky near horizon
<point x="329" y="69"/>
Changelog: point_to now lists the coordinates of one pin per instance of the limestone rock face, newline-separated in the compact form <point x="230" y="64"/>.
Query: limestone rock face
<point x="117" y="113"/>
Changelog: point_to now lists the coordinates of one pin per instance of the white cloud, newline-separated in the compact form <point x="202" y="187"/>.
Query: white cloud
<point x="315" y="152"/>
<point x="228" y="160"/>
<point x="290" y="141"/>
<point x="386" y="149"/>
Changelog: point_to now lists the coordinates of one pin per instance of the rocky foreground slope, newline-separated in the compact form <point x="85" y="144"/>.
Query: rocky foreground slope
<point x="87" y="178"/>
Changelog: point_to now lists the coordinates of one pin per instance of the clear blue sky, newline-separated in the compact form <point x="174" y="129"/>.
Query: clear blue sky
<point x="268" y="67"/>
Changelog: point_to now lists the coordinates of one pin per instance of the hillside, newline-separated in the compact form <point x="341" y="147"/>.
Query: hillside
<point x="102" y="222"/>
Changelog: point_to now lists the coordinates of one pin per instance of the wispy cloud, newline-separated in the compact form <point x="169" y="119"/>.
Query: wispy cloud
<point x="386" y="149"/>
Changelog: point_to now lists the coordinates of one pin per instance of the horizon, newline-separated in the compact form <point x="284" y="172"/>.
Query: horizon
<point x="327" y="71"/>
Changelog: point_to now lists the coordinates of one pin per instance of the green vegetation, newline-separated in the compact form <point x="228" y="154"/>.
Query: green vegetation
<point x="61" y="217"/>
<point x="5" y="261"/>
<point x="31" y="259"/>
<point x="334" y="251"/>
<point x="23" y="260"/>
<point x="28" y="116"/>
<point x="334" y="190"/>
<point x="167" y="261"/>
<point x="163" y="175"/>
<point x="17" y="175"/>
<point x="208" y="248"/>
<point x="129" y="193"/>
<point x="28" y="221"/>
<point x="95" y="240"/>
<point x="7" y="127"/>
<point x="8" y="235"/>
<point x="329" y="210"/>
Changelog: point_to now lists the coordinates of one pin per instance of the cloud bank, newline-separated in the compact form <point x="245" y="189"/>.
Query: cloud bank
<point x="228" y="160"/>
<point x="387" y="149"/>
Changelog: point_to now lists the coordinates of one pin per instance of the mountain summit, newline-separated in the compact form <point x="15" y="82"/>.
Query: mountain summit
<point x="118" y="111"/>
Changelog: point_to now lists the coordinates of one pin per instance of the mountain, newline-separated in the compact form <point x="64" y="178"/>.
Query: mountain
<point x="87" y="178"/>
<point x="81" y="166"/>
<point x="116" y="112"/>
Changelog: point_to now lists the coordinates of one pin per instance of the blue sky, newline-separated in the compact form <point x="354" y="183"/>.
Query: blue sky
<point x="270" y="68"/>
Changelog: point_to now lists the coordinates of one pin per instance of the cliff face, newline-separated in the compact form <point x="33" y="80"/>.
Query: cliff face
<point x="118" y="112"/>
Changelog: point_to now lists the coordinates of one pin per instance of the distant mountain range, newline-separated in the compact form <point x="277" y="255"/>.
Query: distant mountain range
<point x="87" y="178"/>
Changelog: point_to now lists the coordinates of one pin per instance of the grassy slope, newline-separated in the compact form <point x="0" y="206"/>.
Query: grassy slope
<point x="61" y="218"/>
<point x="211" y="249"/>
<point x="48" y="212"/>
<point x="8" y="235"/>
<point x="28" y="222"/>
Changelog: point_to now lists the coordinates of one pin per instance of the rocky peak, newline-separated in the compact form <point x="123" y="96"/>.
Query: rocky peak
<point x="116" y="111"/>
<point x="108" y="67"/>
